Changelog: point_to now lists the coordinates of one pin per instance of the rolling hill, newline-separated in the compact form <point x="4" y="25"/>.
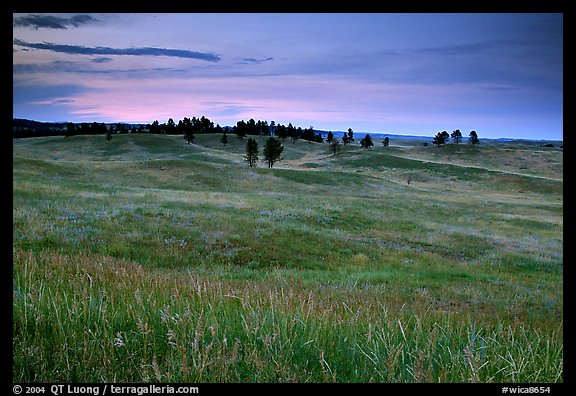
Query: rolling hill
<point x="148" y="259"/>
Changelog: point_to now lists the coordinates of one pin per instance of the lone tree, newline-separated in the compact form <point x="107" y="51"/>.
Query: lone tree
<point x="273" y="151"/>
<point x="456" y="136"/>
<point x="335" y="146"/>
<point x="189" y="135"/>
<point x="330" y="137"/>
<point x="440" y="138"/>
<point x="367" y="141"/>
<point x="474" y="137"/>
<point x="350" y="135"/>
<point x="345" y="139"/>
<point x="386" y="141"/>
<point x="252" y="152"/>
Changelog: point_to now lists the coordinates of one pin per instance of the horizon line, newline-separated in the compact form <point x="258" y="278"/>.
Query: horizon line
<point x="315" y="129"/>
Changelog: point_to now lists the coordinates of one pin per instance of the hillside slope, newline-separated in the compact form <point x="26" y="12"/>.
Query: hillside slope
<point x="145" y="257"/>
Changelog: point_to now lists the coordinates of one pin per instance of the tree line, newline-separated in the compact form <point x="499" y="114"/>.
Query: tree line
<point x="189" y="127"/>
<point x="456" y="136"/>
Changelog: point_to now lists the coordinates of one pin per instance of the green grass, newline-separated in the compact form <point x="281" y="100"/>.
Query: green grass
<point x="147" y="259"/>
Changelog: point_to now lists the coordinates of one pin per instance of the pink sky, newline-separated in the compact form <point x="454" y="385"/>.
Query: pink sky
<point x="388" y="73"/>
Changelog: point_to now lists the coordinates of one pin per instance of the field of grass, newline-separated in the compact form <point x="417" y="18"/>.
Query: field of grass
<point x="145" y="259"/>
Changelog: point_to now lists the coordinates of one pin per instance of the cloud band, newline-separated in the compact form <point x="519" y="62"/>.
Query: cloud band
<point x="52" y="22"/>
<point x="138" y="51"/>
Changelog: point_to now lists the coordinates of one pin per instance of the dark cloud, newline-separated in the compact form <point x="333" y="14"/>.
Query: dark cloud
<point x="254" y="61"/>
<point x="80" y="67"/>
<point x="36" y="21"/>
<point x="141" y="51"/>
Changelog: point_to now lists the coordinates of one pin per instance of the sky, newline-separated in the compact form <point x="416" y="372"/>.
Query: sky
<point x="409" y="74"/>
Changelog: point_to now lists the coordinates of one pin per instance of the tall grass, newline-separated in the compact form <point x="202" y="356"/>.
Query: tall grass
<point x="96" y="319"/>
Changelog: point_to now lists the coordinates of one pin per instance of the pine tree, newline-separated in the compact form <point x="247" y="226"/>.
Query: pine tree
<point x="440" y="138"/>
<point x="155" y="127"/>
<point x="241" y="129"/>
<point x="273" y="151"/>
<point x="456" y="136"/>
<point x="350" y="135"/>
<point x="345" y="139"/>
<point x="170" y="127"/>
<point x="70" y="129"/>
<point x="474" y="137"/>
<point x="329" y="137"/>
<point x="367" y="141"/>
<point x="252" y="152"/>
<point x="335" y="146"/>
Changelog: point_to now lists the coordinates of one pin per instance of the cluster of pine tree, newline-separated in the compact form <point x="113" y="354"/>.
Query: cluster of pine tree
<point x="273" y="150"/>
<point x="193" y="126"/>
<point x="263" y="128"/>
<point x="443" y="137"/>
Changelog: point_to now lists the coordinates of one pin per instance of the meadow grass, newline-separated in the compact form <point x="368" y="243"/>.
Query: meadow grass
<point x="147" y="259"/>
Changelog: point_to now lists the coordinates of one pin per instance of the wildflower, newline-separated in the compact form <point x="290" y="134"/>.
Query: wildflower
<point x="118" y="341"/>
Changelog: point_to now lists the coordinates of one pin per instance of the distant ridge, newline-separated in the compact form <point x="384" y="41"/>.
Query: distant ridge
<point x="24" y="123"/>
<point x="374" y="135"/>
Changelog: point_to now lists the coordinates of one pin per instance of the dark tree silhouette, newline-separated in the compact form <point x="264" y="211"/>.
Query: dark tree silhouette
<point x="281" y="132"/>
<point x="293" y="133"/>
<point x="70" y="129"/>
<point x="335" y="146"/>
<point x="188" y="130"/>
<point x="273" y="151"/>
<point x="170" y="127"/>
<point x="367" y="142"/>
<point x="440" y="138"/>
<point x="263" y="128"/>
<point x="456" y="136"/>
<point x="350" y="135"/>
<point x="329" y="137"/>
<point x="155" y="127"/>
<point x="474" y="137"/>
<point x="309" y="134"/>
<point x="241" y="129"/>
<point x="252" y="152"/>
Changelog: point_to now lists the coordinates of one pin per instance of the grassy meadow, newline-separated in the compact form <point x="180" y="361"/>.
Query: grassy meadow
<point x="145" y="259"/>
